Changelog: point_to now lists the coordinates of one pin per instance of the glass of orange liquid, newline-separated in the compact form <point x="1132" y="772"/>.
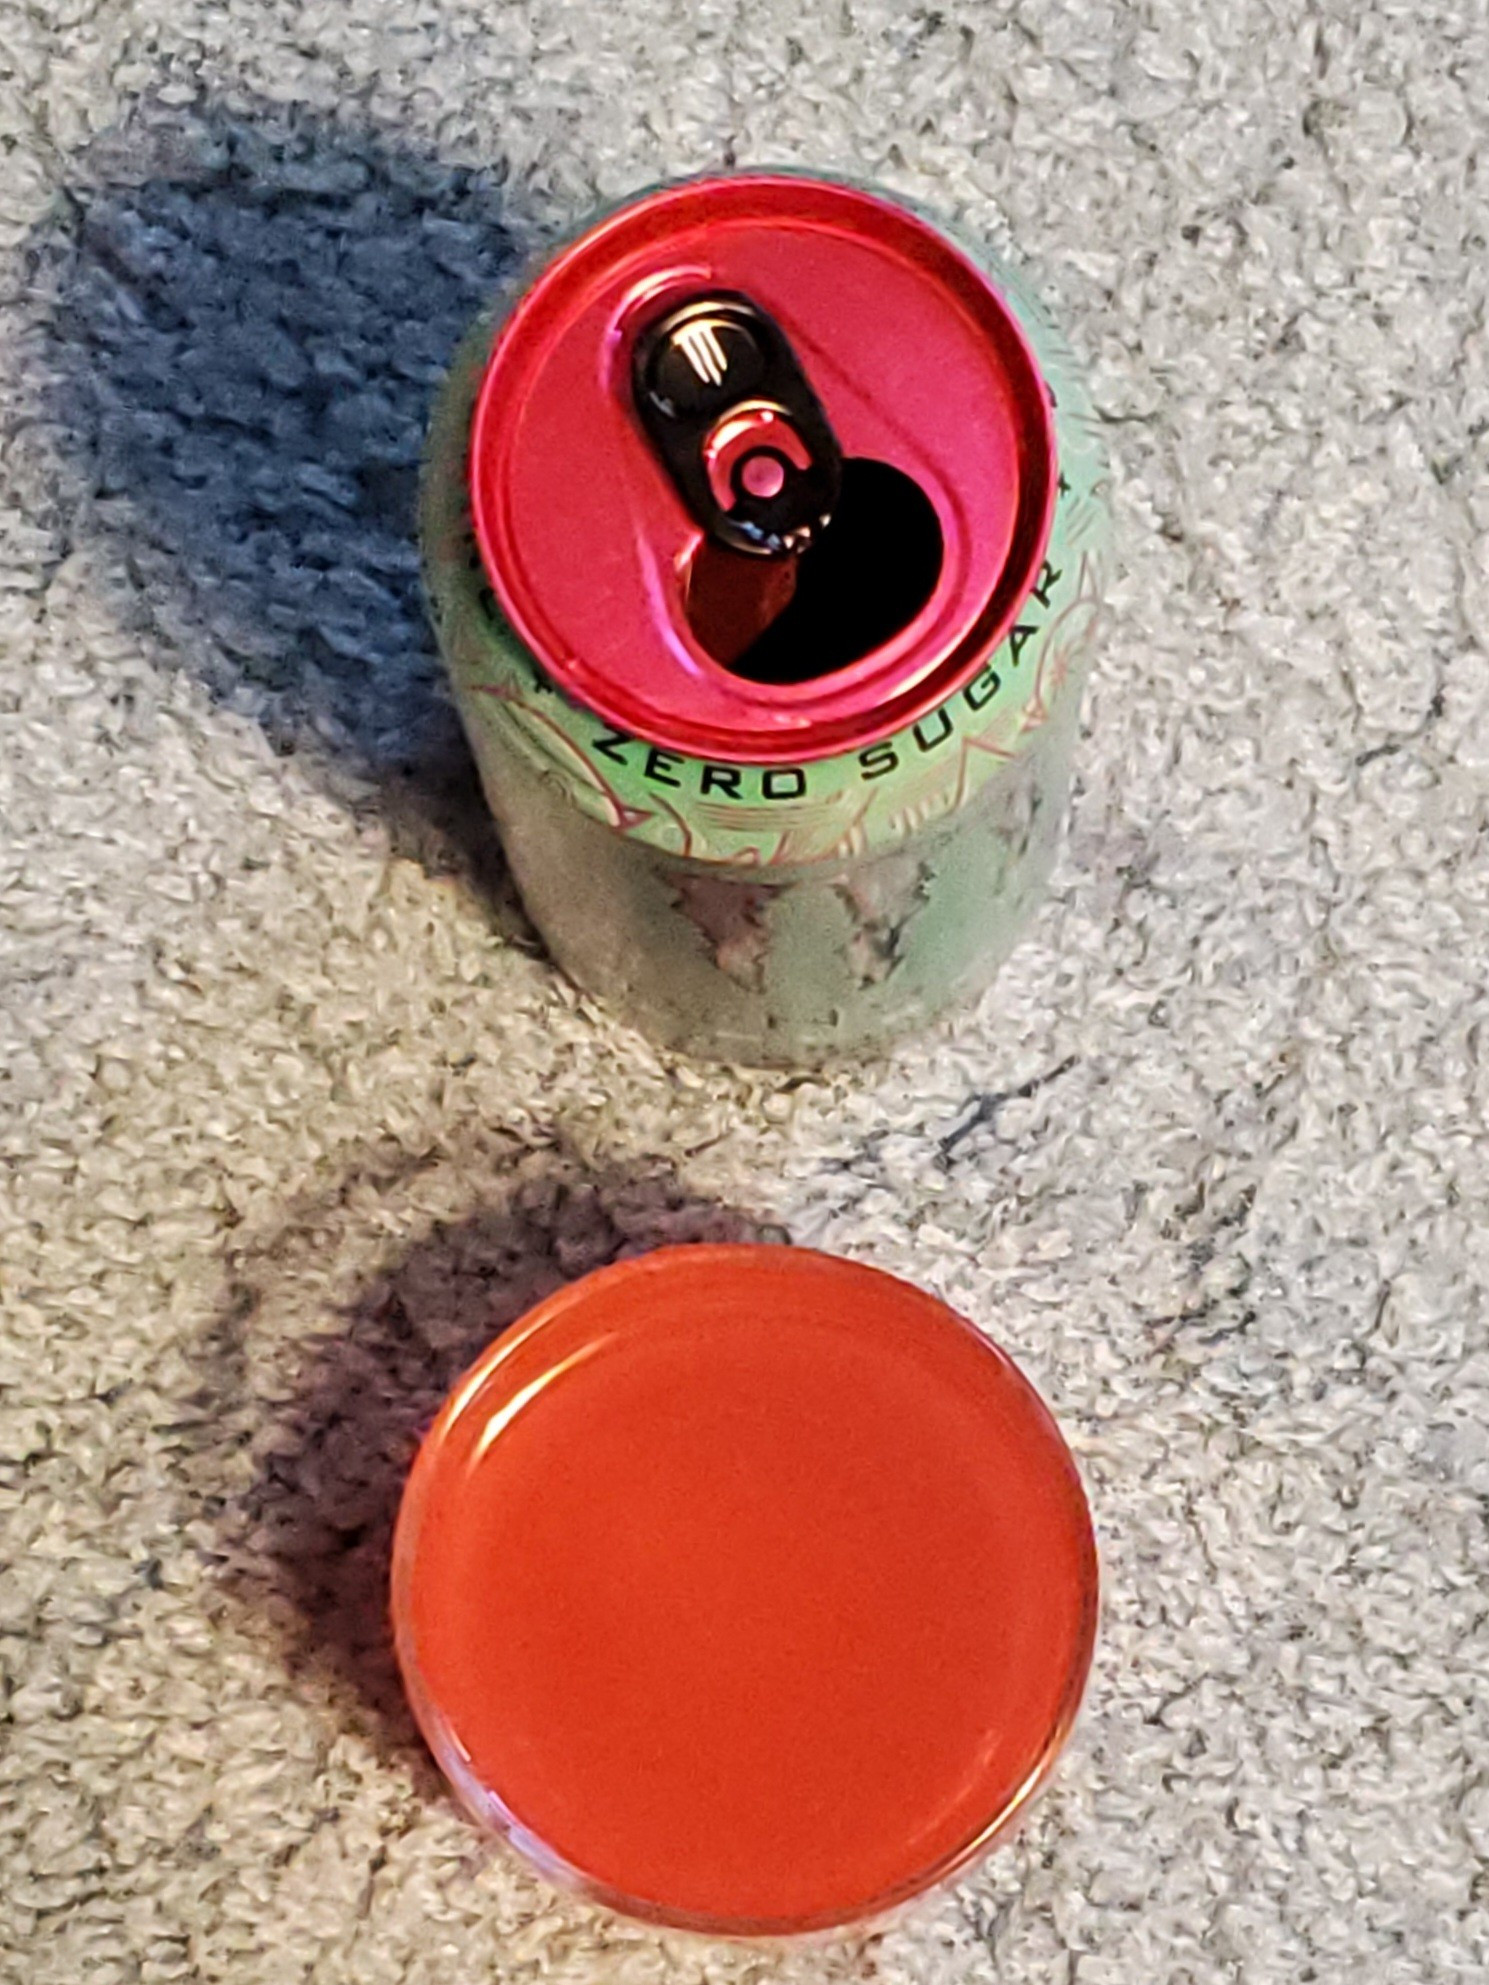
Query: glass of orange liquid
<point x="745" y="1589"/>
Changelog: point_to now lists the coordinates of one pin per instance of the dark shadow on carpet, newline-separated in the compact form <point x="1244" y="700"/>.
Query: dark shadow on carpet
<point x="300" y="1526"/>
<point x="245" y="319"/>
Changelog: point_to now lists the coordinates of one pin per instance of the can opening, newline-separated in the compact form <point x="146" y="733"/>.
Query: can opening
<point x="800" y="619"/>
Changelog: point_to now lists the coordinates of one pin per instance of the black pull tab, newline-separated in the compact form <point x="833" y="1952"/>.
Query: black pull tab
<point x="741" y="433"/>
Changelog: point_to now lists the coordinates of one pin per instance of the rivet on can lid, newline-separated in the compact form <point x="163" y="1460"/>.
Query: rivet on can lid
<point x="763" y="473"/>
<point x="928" y="385"/>
<point x="746" y="1588"/>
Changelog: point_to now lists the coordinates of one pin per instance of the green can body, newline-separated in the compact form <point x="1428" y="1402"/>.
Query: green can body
<point x="781" y="913"/>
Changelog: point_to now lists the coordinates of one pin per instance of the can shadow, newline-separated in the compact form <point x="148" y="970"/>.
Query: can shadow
<point x="311" y="1411"/>
<point x="244" y="320"/>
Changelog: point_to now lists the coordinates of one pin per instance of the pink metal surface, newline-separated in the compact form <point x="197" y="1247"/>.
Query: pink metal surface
<point x="918" y="363"/>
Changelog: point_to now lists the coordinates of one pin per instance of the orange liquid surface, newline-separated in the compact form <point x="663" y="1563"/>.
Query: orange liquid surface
<point x="754" y="1585"/>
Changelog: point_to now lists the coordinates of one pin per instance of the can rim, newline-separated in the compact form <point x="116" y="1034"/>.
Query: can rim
<point x="696" y="706"/>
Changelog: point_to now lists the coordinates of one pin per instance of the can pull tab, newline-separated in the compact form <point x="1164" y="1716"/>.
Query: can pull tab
<point x="730" y="414"/>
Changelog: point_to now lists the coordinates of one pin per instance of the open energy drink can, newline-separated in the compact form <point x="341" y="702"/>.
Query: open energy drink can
<point x="764" y="535"/>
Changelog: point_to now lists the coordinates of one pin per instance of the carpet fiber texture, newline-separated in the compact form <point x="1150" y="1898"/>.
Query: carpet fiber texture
<point x="294" y="1115"/>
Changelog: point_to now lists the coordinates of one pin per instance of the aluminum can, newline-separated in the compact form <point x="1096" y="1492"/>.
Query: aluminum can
<point x="765" y="533"/>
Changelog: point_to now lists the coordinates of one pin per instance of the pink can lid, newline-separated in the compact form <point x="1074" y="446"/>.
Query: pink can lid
<point x="918" y="363"/>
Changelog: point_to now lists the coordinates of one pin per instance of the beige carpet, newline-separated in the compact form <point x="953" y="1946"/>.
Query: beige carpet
<point x="293" y="1115"/>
